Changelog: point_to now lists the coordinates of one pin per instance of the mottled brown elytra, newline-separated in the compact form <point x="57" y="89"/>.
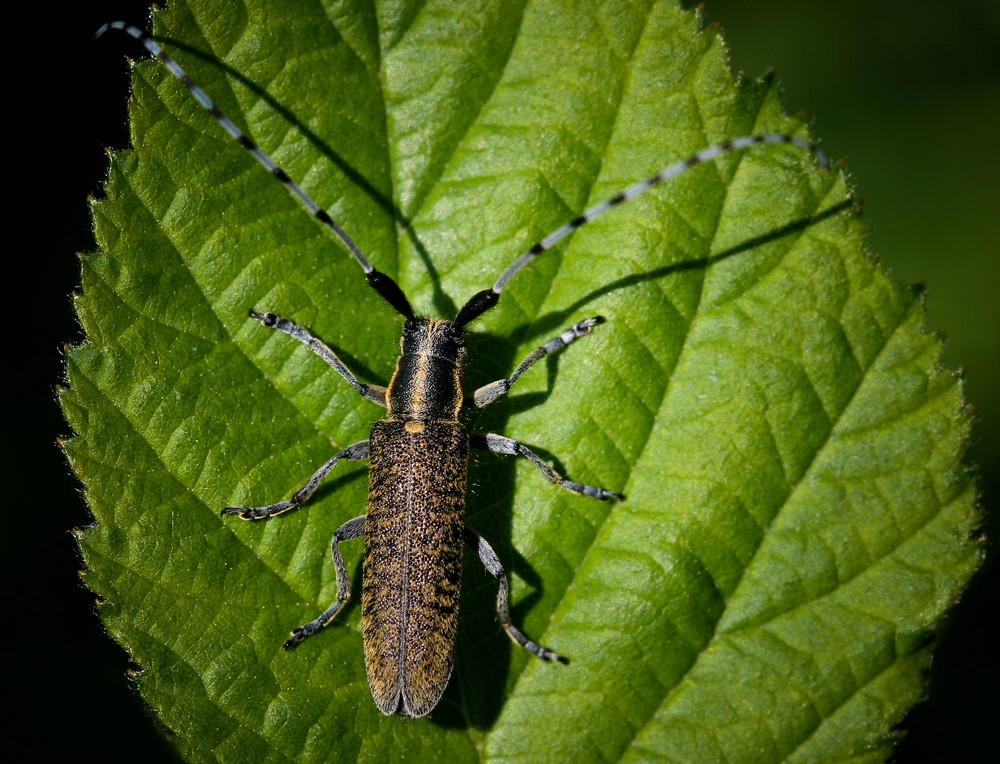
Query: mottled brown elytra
<point x="418" y="454"/>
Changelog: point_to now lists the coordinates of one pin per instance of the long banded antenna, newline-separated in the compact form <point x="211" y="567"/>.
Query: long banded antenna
<point x="382" y="283"/>
<point x="672" y="171"/>
<point x="486" y="299"/>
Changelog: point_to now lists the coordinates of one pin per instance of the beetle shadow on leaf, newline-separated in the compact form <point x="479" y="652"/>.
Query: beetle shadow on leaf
<point x="484" y="653"/>
<point x="554" y="320"/>
<point x="330" y="487"/>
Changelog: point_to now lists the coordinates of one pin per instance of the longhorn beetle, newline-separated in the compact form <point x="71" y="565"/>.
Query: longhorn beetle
<point x="418" y="454"/>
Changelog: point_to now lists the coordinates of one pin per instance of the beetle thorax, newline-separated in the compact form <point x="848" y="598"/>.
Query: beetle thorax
<point x="427" y="383"/>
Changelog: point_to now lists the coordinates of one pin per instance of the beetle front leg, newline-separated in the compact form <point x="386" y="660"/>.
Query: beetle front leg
<point x="499" y="444"/>
<point x="374" y="393"/>
<point x="355" y="452"/>
<point x="486" y="394"/>
<point x="492" y="564"/>
<point x="352" y="529"/>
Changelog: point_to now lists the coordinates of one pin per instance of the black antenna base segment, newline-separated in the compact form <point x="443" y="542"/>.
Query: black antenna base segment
<point x="390" y="292"/>
<point x="474" y="308"/>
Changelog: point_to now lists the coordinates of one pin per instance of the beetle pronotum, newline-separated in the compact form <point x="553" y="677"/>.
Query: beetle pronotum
<point x="414" y="530"/>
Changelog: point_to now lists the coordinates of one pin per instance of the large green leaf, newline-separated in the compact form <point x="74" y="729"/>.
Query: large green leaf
<point x="797" y="516"/>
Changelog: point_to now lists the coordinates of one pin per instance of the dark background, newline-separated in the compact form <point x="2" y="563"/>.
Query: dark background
<point x="910" y="93"/>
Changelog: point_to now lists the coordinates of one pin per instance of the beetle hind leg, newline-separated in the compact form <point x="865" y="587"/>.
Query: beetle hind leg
<point x="352" y="529"/>
<point x="492" y="563"/>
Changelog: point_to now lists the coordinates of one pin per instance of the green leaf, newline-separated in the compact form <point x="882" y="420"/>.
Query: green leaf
<point x="797" y="518"/>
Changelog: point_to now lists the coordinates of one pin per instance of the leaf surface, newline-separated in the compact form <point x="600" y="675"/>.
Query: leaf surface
<point x="797" y="517"/>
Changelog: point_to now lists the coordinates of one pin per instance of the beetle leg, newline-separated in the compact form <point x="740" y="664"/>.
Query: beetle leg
<point x="498" y="444"/>
<point x="492" y="564"/>
<point x="486" y="394"/>
<point x="374" y="393"/>
<point x="357" y="452"/>
<point x="352" y="529"/>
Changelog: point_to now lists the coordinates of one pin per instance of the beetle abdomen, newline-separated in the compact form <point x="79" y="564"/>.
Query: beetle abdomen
<point x="412" y="568"/>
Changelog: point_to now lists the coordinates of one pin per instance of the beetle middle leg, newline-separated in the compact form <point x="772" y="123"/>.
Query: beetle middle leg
<point x="356" y="452"/>
<point x="492" y="563"/>
<point x="499" y="444"/>
<point x="352" y="529"/>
